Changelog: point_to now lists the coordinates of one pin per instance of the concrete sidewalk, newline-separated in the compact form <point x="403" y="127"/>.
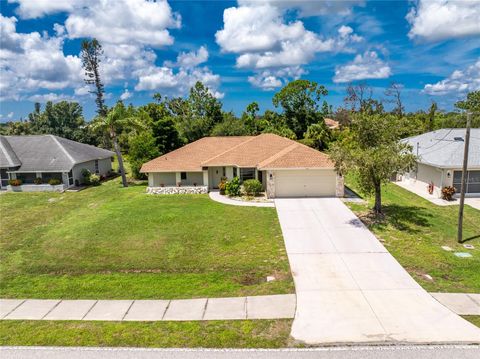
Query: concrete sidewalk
<point x="471" y="201"/>
<point x="460" y="303"/>
<point x="238" y="308"/>
<point x="350" y="289"/>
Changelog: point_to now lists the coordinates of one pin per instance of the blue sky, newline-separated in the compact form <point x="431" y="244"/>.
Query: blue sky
<point x="244" y="51"/>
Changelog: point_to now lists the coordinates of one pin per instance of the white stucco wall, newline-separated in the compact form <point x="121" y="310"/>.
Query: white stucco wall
<point x="104" y="166"/>
<point x="193" y="178"/>
<point x="172" y="178"/>
<point x="424" y="175"/>
<point x="162" y="178"/>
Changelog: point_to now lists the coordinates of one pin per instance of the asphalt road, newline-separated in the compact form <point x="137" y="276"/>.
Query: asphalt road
<point x="372" y="352"/>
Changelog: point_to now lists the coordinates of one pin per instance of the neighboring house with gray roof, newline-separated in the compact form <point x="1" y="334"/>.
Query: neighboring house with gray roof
<point x="46" y="157"/>
<point x="440" y="161"/>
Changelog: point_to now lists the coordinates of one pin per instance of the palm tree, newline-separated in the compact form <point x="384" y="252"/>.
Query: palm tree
<point x="117" y="118"/>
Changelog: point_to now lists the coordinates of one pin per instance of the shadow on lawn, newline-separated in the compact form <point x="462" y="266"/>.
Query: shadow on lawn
<point x="402" y="218"/>
<point x="465" y="240"/>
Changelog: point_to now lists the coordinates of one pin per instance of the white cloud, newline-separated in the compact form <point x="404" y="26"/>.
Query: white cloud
<point x="82" y="91"/>
<point x="269" y="80"/>
<point x="124" y="22"/>
<point x="29" y="9"/>
<point x="30" y="61"/>
<point x="125" y="95"/>
<point x="366" y="66"/>
<point x="192" y="59"/>
<point x="444" y="19"/>
<point x="179" y="77"/>
<point x="262" y="38"/>
<point x="458" y="81"/>
<point x="52" y="96"/>
<point x="127" y="30"/>
<point x="307" y="8"/>
<point x="10" y="115"/>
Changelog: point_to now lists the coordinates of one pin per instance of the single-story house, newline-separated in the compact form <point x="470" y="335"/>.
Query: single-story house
<point x="285" y="168"/>
<point x="46" y="156"/>
<point x="440" y="161"/>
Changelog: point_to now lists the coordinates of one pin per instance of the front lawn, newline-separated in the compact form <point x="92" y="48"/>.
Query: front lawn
<point x="214" y="334"/>
<point x="108" y="242"/>
<point x="414" y="230"/>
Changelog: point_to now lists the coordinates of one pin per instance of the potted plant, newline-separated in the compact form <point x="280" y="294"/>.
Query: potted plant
<point x="162" y="184"/>
<point x="15" y="182"/>
<point x="179" y="184"/>
<point x="430" y="188"/>
<point x="38" y="180"/>
<point x="448" y="192"/>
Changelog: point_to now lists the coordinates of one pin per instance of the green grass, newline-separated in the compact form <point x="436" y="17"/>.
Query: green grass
<point x="110" y="242"/>
<point x="214" y="334"/>
<point x="474" y="319"/>
<point x="414" y="230"/>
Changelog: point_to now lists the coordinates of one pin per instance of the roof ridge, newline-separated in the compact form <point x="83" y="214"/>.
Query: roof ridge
<point x="63" y="148"/>
<point x="231" y="149"/>
<point x="278" y="155"/>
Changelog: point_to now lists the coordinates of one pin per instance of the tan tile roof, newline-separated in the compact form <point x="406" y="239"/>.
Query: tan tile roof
<point x="190" y="157"/>
<point x="265" y="151"/>
<point x="332" y="124"/>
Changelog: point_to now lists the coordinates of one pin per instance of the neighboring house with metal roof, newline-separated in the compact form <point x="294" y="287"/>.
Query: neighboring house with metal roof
<point x="440" y="161"/>
<point x="46" y="156"/>
<point x="285" y="168"/>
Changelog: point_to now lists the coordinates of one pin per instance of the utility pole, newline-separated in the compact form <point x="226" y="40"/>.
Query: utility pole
<point x="464" y="178"/>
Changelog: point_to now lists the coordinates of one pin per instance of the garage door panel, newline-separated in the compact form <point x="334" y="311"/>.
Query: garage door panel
<point x="305" y="183"/>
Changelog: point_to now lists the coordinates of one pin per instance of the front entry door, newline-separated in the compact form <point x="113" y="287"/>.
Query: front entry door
<point x="217" y="174"/>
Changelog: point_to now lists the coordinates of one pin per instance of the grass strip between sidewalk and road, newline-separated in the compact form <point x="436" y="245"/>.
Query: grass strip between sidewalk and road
<point x="211" y="334"/>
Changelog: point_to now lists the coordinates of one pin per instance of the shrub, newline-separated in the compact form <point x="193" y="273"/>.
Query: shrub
<point x="54" y="181"/>
<point x="15" y="182"/>
<point x="252" y="187"/>
<point x="222" y="185"/>
<point x="86" y="176"/>
<point x="94" y="180"/>
<point x="448" y="192"/>
<point x="37" y="180"/>
<point x="232" y="188"/>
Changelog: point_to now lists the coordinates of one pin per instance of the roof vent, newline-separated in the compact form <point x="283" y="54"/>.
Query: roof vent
<point x="458" y="139"/>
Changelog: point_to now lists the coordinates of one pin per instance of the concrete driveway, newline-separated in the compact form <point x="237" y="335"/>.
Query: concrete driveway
<point x="350" y="289"/>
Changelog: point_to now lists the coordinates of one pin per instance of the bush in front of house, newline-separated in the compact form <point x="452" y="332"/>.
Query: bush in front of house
<point x="232" y="188"/>
<point x="38" y="180"/>
<point x="54" y="181"/>
<point x="15" y="182"/>
<point x="95" y="180"/>
<point x="252" y="187"/>
<point x="448" y="192"/>
<point x="86" y="176"/>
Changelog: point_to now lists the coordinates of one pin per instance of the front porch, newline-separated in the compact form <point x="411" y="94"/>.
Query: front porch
<point x="36" y="181"/>
<point x="209" y="177"/>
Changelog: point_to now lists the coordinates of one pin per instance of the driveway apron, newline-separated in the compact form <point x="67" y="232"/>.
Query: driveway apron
<point x="350" y="289"/>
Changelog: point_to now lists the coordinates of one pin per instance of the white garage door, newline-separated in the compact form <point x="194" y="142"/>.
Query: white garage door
<point x="305" y="183"/>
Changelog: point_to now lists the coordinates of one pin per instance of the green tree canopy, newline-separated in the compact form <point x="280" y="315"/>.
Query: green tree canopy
<point x="230" y="126"/>
<point x="372" y="150"/>
<point x="142" y="148"/>
<point x="300" y="100"/>
<point x="318" y="136"/>
<point x="197" y="115"/>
